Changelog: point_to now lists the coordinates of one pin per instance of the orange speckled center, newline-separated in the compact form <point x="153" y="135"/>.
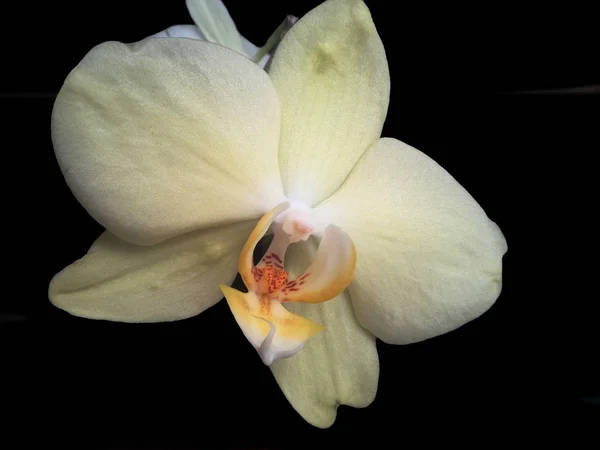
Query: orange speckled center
<point x="272" y="279"/>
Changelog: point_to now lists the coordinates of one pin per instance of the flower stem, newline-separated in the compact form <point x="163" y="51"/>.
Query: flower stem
<point x="275" y="38"/>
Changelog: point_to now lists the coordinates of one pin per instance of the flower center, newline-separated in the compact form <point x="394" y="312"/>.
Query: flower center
<point x="270" y="279"/>
<point x="297" y="222"/>
<point x="272" y="330"/>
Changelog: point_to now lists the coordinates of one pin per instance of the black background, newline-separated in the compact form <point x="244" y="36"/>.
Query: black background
<point x="525" y="365"/>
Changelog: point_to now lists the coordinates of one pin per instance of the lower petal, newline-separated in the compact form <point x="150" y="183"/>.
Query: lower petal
<point x="173" y="280"/>
<point x="429" y="258"/>
<point x="338" y="366"/>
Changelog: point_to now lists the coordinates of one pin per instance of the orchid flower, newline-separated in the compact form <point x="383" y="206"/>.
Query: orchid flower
<point x="189" y="153"/>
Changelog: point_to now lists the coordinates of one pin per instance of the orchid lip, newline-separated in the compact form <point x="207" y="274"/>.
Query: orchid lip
<point x="274" y="331"/>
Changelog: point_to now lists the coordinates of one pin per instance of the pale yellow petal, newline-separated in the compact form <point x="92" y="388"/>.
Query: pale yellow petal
<point x="428" y="257"/>
<point x="176" y="279"/>
<point x="168" y="135"/>
<point x="331" y="75"/>
<point x="338" y="366"/>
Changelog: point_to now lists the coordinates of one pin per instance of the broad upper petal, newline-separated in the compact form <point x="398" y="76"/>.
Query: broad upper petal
<point x="331" y="74"/>
<point x="166" y="136"/>
<point x="339" y="365"/>
<point x="173" y="280"/>
<point x="428" y="257"/>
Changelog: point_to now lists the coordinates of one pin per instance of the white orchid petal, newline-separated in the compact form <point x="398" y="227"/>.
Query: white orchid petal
<point x="429" y="258"/>
<point x="337" y="366"/>
<point x="215" y="23"/>
<point x="184" y="31"/>
<point x="166" y="136"/>
<point x="173" y="280"/>
<point x="332" y="78"/>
